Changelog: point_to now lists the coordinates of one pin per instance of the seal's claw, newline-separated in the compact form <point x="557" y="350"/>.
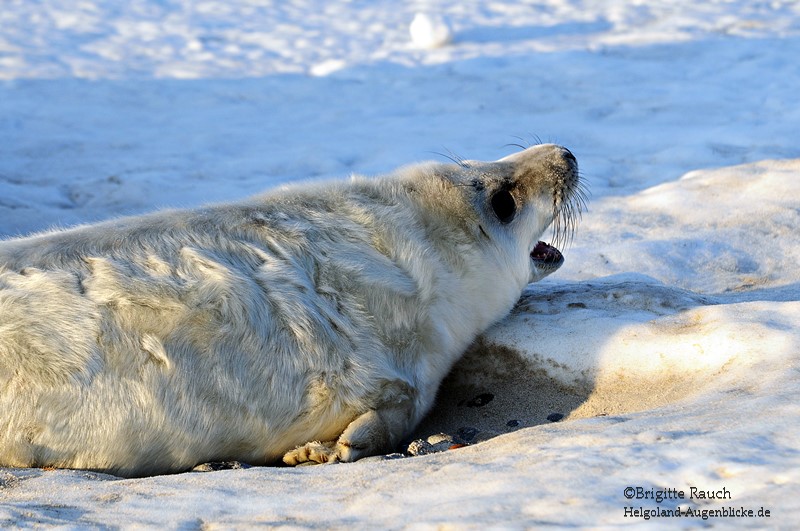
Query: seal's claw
<point x="315" y="451"/>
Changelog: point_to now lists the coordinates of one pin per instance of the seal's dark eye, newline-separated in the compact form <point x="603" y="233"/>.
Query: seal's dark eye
<point x="504" y="206"/>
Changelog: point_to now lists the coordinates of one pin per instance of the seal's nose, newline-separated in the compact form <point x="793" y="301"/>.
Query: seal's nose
<point x="569" y="156"/>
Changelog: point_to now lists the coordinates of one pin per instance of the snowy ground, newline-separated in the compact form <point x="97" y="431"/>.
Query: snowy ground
<point x="669" y="339"/>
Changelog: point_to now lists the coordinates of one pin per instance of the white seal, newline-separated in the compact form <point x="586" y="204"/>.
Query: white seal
<point x="312" y="323"/>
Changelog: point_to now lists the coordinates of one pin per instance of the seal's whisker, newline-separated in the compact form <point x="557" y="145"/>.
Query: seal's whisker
<point x="567" y="210"/>
<point x="452" y="156"/>
<point x="580" y="195"/>
<point x="524" y="143"/>
<point x="444" y="155"/>
<point x="515" y="145"/>
<point x="537" y="141"/>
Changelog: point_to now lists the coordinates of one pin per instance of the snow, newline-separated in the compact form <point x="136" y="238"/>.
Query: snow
<point x="429" y="31"/>
<point x="669" y="339"/>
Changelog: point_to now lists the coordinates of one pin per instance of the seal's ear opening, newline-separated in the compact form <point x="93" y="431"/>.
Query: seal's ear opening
<point x="504" y="206"/>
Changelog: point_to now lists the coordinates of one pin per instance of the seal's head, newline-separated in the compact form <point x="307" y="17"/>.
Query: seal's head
<point x="546" y="181"/>
<point x="508" y="204"/>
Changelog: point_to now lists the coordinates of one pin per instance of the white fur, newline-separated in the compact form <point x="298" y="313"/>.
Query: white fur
<point x="328" y="312"/>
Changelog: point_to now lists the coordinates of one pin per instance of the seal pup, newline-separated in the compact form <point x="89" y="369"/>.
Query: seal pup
<point x="311" y="323"/>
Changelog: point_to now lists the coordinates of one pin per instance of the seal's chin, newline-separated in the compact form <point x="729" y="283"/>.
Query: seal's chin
<point x="545" y="260"/>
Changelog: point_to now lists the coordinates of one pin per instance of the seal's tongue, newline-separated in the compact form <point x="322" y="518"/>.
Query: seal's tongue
<point x="544" y="252"/>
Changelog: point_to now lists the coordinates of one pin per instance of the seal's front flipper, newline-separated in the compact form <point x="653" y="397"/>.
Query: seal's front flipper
<point x="365" y="436"/>
<point x="374" y="432"/>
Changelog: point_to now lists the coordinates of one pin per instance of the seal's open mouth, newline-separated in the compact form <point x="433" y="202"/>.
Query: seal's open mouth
<point x="546" y="254"/>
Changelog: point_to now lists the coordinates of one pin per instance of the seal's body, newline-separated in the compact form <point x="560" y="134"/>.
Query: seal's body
<point x="327" y="313"/>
